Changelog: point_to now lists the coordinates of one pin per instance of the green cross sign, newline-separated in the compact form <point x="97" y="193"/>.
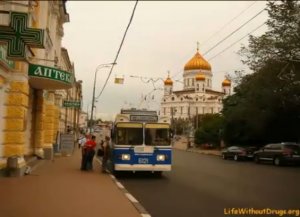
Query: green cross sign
<point x="17" y="36"/>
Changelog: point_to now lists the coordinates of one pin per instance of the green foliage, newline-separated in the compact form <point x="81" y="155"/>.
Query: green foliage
<point x="265" y="106"/>
<point x="282" y="40"/>
<point x="210" y="129"/>
<point x="180" y="126"/>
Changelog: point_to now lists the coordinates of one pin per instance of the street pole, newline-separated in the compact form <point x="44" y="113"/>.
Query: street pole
<point x="93" y="99"/>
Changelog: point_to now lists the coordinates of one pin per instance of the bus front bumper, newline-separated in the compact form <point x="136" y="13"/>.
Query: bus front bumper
<point x="143" y="167"/>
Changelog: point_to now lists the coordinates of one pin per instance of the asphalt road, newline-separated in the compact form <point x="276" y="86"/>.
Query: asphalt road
<point x="203" y="185"/>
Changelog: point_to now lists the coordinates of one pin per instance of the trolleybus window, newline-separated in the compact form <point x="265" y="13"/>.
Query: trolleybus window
<point x="129" y="134"/>
<point x="157" y="135"/>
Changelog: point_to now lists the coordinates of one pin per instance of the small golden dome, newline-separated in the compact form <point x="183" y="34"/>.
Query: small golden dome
<point x="197" y="62"/>
<point x="200" y="77"/>
<point x="168" y="81"/>
<point x="226" y="82"/>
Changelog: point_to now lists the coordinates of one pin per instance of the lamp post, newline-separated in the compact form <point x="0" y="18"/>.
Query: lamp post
<point x="93" y="99"/>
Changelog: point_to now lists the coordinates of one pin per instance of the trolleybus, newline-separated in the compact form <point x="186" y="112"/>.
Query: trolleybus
<point x="141" y="142"/>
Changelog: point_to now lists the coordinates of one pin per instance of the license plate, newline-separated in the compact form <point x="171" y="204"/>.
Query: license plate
<point x="143" y="149"/>
<point x="143" y="160"/>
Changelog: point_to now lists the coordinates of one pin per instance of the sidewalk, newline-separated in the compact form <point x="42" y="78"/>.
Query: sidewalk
<point x="181" y="144"/>
<point x="59" y="189"/>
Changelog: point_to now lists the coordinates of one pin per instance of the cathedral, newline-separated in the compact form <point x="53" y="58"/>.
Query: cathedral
<point x="197" y="96"/>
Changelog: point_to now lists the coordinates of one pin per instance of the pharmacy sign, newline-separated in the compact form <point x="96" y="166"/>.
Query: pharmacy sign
<point x="18" y="36"/>
<point x="45" y="77"/>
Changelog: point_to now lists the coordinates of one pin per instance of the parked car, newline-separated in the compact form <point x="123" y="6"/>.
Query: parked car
<point x="238" y="153"/>
<point x="279" y="153"/>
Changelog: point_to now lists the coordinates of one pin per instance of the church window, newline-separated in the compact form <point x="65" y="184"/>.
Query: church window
<point x="196" y="99"/>
<point x="203" y="110"/>
<point x="164" y="111"/>
<point x="181" y="109"/>
<point x="193" y="82"/>
<point x="212" y="110"/>
<point x="188" y="82"/>
<point x="181" y="98"/>
<point x="173" y="98"/>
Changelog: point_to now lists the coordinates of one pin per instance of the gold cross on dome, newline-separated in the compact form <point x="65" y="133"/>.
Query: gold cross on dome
<point x="198" y="44"/>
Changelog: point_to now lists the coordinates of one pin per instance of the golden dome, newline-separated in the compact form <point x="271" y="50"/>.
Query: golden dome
<point x="226" y="82"/>
<point x="197" y="62"/>
<point x="200" y="77"/>
<point x="168" y="81"/>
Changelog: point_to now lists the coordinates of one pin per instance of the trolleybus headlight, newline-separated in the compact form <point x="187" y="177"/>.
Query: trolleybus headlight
<point x="125" y="157"/>
<point x="160" y="157"/>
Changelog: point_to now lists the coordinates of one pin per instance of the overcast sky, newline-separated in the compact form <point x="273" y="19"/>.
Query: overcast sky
<point x="162" y="37"/>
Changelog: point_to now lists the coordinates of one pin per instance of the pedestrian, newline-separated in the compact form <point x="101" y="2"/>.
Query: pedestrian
<point x="81" y="141"/>
<point x="90" y="152"/>
<point x="106" y="152"/>
<point x="84" y="153"/>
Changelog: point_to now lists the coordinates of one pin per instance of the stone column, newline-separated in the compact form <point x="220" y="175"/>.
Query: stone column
<point x="39" y="125"/>
<point x="49" y="120"/>
<point x="15" y="120"/>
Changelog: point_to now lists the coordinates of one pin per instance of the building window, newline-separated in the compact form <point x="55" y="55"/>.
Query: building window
<point x="181" y="109"/>
<point x="193" y="82"/>
<point x="212" y="110"/>
<point x="203" y="110"/>
<point x="164" y="111"/>
<point x="173" y="98"/>
<point x="188" y="82"/>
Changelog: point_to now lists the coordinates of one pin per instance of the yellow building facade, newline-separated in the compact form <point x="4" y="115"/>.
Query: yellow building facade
<point x="34" y="86"/>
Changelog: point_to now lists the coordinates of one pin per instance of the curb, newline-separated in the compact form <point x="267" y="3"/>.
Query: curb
<point x="129" y="196"/>
<point x="198" y="152"/>
<point x="201" y="152"/>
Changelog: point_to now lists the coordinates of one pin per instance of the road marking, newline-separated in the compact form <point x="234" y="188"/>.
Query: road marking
<point x="146" y="215"/>
<point x="131" y="198"/>
<point x="119" y="185"/>
<point x="112" y="176"/>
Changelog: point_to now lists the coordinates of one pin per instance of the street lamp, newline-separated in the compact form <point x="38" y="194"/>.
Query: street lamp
<point x="93" y="99"/>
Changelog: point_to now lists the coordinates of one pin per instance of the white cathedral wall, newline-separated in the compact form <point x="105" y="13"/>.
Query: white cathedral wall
<point x="189" y="80"/>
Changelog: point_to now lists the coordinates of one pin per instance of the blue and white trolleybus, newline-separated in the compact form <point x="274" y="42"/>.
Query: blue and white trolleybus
<point x="141" y="142"/>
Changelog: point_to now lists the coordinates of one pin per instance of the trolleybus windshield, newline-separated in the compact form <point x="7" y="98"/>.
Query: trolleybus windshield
<point x="129" y="134"/>
<point x="157" y="135"/>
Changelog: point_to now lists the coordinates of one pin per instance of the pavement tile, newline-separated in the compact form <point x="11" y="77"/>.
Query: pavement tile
<point x="59" y="189"/>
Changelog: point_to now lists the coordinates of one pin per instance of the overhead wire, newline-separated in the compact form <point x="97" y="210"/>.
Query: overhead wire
<point x="237" y="41"/>
<point x="224" y="39"/>
<point x="230" y="33"/>
<point x="217" y="32"/>
<point x="120" y="47"/>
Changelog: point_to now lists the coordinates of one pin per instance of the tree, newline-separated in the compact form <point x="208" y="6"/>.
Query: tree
<point x="265" y="106"/>
<point x="180" y="126"/>
<point x="210" y="129"/>
<point x="282" y="40"/>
